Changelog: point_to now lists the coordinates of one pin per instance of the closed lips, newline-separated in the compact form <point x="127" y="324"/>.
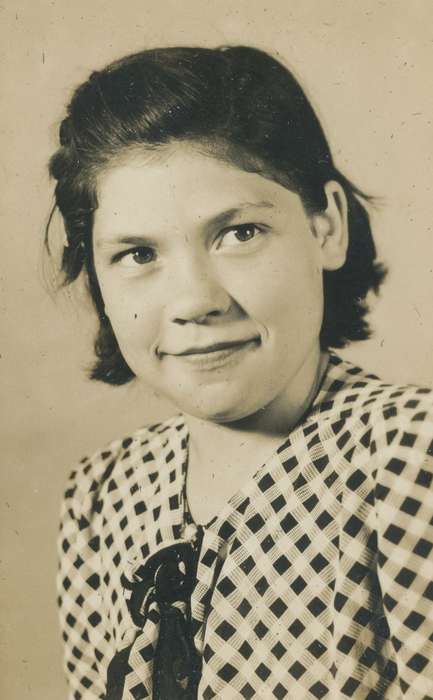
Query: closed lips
<point x="202" y="350"/>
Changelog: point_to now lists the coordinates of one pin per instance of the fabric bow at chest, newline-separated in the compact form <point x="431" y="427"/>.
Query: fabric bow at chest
<point x="158" y="594"/>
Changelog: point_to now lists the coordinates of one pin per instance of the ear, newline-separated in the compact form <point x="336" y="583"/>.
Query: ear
<point x="330" y="227"/>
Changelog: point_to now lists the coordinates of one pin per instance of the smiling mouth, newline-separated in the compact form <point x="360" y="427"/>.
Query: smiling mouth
<point x="216" y="347"/>
<point x="216" y="355"/>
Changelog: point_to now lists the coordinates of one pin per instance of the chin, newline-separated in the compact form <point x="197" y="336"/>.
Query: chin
<point x="219" y="406"/>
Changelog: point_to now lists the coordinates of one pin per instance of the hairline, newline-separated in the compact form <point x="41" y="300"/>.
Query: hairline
<point x="219" y="148"/>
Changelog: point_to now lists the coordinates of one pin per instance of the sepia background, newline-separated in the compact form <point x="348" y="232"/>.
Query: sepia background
<point x="368" y="66"/>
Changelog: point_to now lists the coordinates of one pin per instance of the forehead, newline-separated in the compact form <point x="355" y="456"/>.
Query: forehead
<point x="176" y="183"/>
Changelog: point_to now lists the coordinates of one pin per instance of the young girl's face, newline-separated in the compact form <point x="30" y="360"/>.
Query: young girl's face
<point x="211" y="278"/>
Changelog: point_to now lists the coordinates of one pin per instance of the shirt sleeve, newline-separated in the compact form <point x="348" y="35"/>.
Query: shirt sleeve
<point x="405" y="544"/>
<point x="79" y="597"/>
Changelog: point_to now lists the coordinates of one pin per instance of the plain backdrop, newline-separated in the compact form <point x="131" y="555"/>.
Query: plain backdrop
<point x="367" y="66"/>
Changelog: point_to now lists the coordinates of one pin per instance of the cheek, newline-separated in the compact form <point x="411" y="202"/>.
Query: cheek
<point x="282" y="292"/>
<point x="134" y="319"/>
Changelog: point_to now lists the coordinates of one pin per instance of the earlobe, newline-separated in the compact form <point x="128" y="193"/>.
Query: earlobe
<point x="330" y="227"/>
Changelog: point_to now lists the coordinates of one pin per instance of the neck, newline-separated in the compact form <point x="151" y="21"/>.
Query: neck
<point x="268" y="426"/>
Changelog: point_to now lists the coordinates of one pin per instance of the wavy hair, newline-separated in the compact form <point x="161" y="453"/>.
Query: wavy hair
<point x="249" y="109"/>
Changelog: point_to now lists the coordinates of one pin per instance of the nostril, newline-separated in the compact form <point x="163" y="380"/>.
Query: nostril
<point x="200" y="308"/>
<point x="203" y="318"/>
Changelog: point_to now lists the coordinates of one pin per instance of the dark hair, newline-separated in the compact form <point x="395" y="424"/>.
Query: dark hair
<point x="243" y="104"/>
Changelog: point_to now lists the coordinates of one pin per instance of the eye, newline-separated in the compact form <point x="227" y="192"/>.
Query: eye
<point x="142" y="255"/>
<point x="242" y="233"/>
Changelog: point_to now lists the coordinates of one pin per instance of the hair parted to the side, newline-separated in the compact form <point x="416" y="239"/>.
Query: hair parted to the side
<point x="247" y="108"/>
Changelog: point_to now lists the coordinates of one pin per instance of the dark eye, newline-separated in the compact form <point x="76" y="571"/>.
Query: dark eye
<point x="143" y="255"/>
<point x="245" y="233"/>
<point x="137" y="256"/>
<point x="239" y="234"/>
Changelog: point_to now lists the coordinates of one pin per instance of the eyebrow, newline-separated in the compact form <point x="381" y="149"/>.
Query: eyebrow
<point x="226" y="216"/>
<point x="222" y="219"/>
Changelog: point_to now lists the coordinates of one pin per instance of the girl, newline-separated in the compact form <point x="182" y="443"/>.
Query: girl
<point x="273" y="539"/>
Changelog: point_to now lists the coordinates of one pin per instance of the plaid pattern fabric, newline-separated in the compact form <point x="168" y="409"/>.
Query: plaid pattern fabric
<point x="315" y="580"/>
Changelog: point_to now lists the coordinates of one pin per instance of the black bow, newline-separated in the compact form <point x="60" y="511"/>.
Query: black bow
<point x="166" y="578"/>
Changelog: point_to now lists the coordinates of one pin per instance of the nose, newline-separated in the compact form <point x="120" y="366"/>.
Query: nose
<point x="197" y="294"/>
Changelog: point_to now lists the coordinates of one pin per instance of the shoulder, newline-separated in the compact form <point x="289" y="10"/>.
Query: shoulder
<point x="148" y="449"/>
<point x="392" y="422"/>
<point x="353" y="391"/>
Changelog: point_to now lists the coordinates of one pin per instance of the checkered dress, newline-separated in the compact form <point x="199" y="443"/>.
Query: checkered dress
<point x="314" y="581"/>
